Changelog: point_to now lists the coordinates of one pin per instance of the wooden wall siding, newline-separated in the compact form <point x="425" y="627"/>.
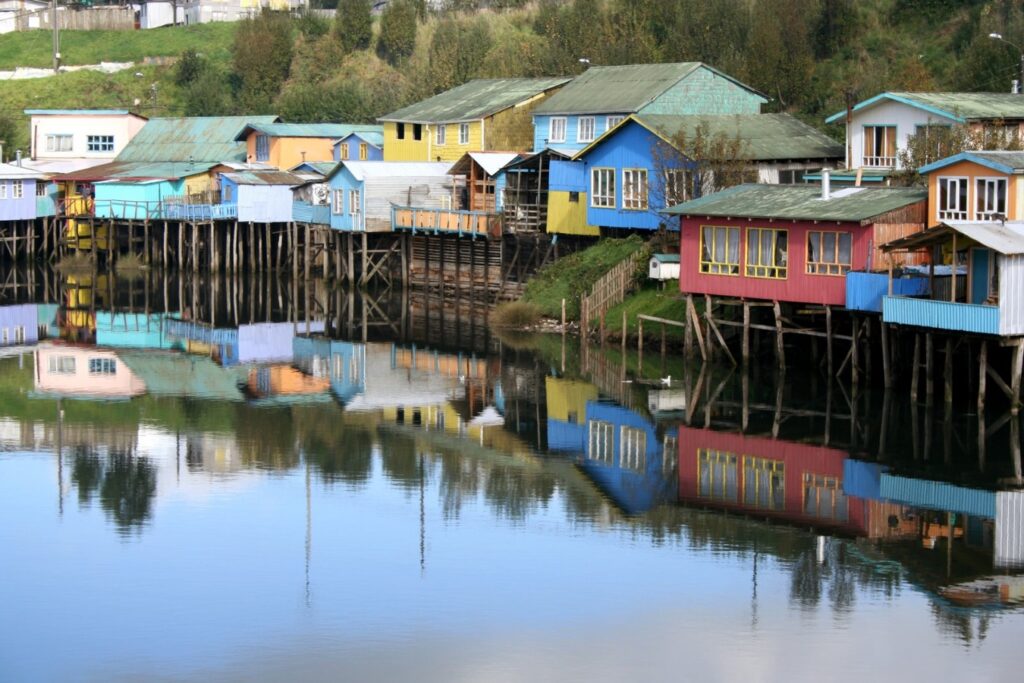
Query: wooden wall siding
<point x="798" y="286"/>
<point x="510" y="130"/>
<point x="1011" y="295"/>
<point x="972" y="171"/>
<point x="705" y="92"/>
<point x="22" y="208"/>
<point x="566" y="216"/>
<point x="286" y="153"/>
<point x="887" y="232"/>
<point x="373" y="153"/>
<point x="407" y="149"/>
<point x="542" y="129"/>
<point x="797" y="458"/>
<point x="264" y="203"/>
<point x="482" y="189"/>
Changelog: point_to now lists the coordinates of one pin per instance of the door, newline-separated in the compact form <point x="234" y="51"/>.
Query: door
<point x="980" y="269"/>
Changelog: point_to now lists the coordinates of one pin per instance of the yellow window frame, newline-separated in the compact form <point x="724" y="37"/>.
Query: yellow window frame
<point x="362" y="151"/>
<point x="712" y="266"/>
<point x="766" y="271"/>
<point x="718" y="462"/>
<point x="756" y="463"/>
<point x="831" y="268"/>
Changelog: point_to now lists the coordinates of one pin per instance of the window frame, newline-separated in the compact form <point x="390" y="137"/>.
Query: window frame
<point x="551" y="128"/>
<point x="592" y="121"/>
<point x="440" y="135"/>
<point x="338" y="202"/>
<point x="463" y="133"/>
<point x="962" y="212"/>
<point x="671" y="186"/>
<point x="99" y="143"/>
<point x="828" y="268"/>
<point x="714" y="485"/>
<point x="864" y="149"/>
<point x="354" y="207"/>
<point x="609" y="194"/>
<point x="632" y="448"/>
<point x="61" y="365"/>
<point x="262" y="147"/>
<point x="816" y="484"/>
<point x="54" y="142"/>
<point x="749" y="266"/>
<point x="979" y="196"/>
<point x="612" y="121"/>
<point x="17" y="189"/>
<point x="776" y="495"/>
<point x="40" y="188"/>
<point x="102" y="365"/>
<point x="363" y="151"/>
<point x="601" y="442"/>
<point x="343" y="152"/>
<point x="642" y="202"/>
<point x="3" y="189"/>
<point x="707" y="267"/>
<point x="399" y="130"/>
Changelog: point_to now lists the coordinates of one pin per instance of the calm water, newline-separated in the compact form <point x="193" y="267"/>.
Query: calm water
<point x="264" y="481"/>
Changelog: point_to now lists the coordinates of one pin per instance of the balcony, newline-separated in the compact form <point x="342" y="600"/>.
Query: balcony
<point x="941" y="315"/>
<point x="446" y="221"/>
<point x="199" y="212"/>
<point x="304" y="212"/>
<point x="880" y="162"/>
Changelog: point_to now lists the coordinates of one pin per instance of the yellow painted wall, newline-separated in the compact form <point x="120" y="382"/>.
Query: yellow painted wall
<point x="286" y="153"/>
<point x="567" y="396"/>
<point x="406" y="149"/>
<point x="971" y="170"/>
<point x="511" y="130"/>
<point x="569" y="218"/>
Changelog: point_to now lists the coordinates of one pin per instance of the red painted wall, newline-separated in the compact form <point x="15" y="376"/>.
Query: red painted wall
<point x="799" y="286"/>
<point x="798" y="458"/>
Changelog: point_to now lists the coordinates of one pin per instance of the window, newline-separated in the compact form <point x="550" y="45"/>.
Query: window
<point x="362" y="151"/>
<point x="953" y="199"/>
<point x="585" y="129"/>
<point x="227" y="193"/>
<point x="338" y="205"/>
<point x="719" y="250"/>
<point x="262" y="148"/>
<point x="417" y="131"/>
<point x="716" y="475"/>
<point x="990" y="199"/>
<point x="601" y="441"/>
<point x="634" y="189"/>
<point x="634" y="448"/>
<point x="791" y="176"/>
<point x="102" y="366"/>
<point x="5" y="337"/>
<point x="767" y="253"/>
<point x="824" y="497"/>
<point x="829" y="253"/>
<point x="677" y="186"/>
<point x="669" y="455"/>
<point x="764" y="483"/>
<point x="880" y="146"/>
<point x="400" y="131"/>
<point x="58" y="143"/>
<point x="612" y="121"/>
<point x="353" y="202"/>
<point x="40" y="188"/>
<point x="17" y="189"/>
<point x="19" y="334"/>
<point x="61" y="365"/>
<point x="3" y="189"/>
<point x="99" y="143"/>
<point x="574" y="197"/>
<point x="344" y="151"/>
<point x="463" y="133"/>
<point x="440" y="133"/>
<point x="556" y="129"/>
<point x="602" y="188"/>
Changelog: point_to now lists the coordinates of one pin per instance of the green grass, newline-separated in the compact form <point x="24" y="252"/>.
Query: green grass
<point x="568" y="277"/>
<point x="33" y="48"/>
<point x="648" y="301"/>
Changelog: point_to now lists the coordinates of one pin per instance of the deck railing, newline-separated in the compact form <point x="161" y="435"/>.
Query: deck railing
<point x="450" y="221"/>
<point x="304" y="212"/>
<point x="941" y="315"/>
<point x="199" y="212"/>
<point x="525" y="217"/>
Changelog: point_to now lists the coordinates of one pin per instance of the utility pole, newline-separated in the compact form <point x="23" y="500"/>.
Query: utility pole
<point x="56" y="36"/>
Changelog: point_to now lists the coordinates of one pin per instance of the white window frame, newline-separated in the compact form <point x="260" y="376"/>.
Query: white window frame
<point x="982" y="212"/>
<point x="586" y="126"/>
<point x="601" y="441"/>
<point x="59" y="142"/>
<point x="338" y="202"/>
<point x="440" y="134"/>
<point x="633" y="448"/>
<point x="635" y="189"/>
<point x="678" y="186"/>
<point x="102" y="366"/>
<point x="463" y="133"/>
<point x="17" y="189"/>
<point x="353" y="203"/>
<point x="99" y="143"/>
<point x="3" y="189"/>
<point x="612" y="121"/>
<point x="954" y="211"/>
<point x="557" y="124"/>
<point x="61" y="365"/>
<point x="602" y="187"/>
<point x="40" y="188"/>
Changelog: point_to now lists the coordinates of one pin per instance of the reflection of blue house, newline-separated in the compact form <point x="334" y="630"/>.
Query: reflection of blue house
<point x="342" y="362"/>
<point x="19" y="325"/>
<point x="626" y="458"/>
<point x="246" y="344"/>
<point x="132" y="330"/>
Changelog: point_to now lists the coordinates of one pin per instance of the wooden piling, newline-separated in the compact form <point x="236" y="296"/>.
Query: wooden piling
<point x="1015" y="377"/>
<point x="929" y="366"/>
<point x="915" y="370"/>
<point x="886" y="363"/>
<point x="746" y="333"/>
<point x="982" y="376"/>
<point x="948" y="394"/>
<point x="780" y="347"/>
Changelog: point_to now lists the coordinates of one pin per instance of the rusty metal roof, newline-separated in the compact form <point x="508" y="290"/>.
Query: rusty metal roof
<point x="136" y="171"/>
<point x="199" y="139"/>
<point x="474" y="100"/>
<point x="266" y="178"/>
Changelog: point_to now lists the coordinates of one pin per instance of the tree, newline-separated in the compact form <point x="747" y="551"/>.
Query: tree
<point x="9" y="137"/>
<point x="931" y="143"/>
<point x="207" y="96"/>
<point x="457" y="51"/>
<point x="261" y="57"/>
<point x="190" y="67"/>
<point x="698" y="162"/>
<point x="353" y="24"/>
<point x="397" y="31"/>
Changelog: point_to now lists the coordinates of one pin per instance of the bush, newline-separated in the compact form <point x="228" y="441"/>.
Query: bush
<point x="397" y="31"/>
<point x="353" y="24"/>
<point x="515" y="314"/>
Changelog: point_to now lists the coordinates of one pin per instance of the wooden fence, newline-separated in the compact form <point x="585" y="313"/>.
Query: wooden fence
<point x="610" y="289"/>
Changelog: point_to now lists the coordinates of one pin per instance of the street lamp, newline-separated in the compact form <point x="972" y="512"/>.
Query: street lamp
<point x="999" y="37"/>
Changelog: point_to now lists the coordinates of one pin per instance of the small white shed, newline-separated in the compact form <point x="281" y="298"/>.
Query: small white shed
<point x="664" y="267"/>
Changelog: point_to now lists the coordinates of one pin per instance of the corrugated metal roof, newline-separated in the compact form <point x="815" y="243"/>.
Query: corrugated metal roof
<point x="474" y="100"/>
<point x="373" y="137"/>
<point x="309" y="130"/>
<point x="1005" y="238"/>
<point x="666" y="258"/>
<point x="177" y="374"/>
<point x="81" y="112"/>
<point x="55" y="166"/>
<point x="265" y="178"/>
<point x="137" y="171"/>
<point x="324" y="168"/>
<point x="204" y="138"/>
<point x="937" y="495"/>
<point x="362" y="170"/>
<point x="1002" y="161"/>
<point x="491" y="162"/>
<point x="620" y="89"/>
<point x="766" y="137"/>
<point x="959" y="106"/>
<point x="801" y="203"/>
<point x="19" y="172"/>
<point x="1009" y="532"/>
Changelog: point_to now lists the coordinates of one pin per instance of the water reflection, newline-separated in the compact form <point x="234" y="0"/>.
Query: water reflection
<point x="797" y="488"/>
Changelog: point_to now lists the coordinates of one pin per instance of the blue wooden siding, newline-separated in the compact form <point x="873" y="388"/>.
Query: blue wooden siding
<point x="542" y="128"/>
<point x="46" y="204"/>
<point x="568" y="176"/>
<point x="21" y="208"/>
<point x="864" y="291"/>
<point x="351" y="143"/>
<point x="569" y="437"/>
<point x="344" y="180"/>
<point x="631" y="146"/>
<point x="705" y="92"/>
<point x="23" y="316"/>
<point x="941" y="315"/>
<point x="131" y="330"/>
<point x="304" y="212"/>
<point x="134" y="200"/>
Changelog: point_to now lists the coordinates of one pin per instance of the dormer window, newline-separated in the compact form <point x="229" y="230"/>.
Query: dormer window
<point x="880" y="146"/>
<point x="952" y="199"/>
<point x="990" y="199"/>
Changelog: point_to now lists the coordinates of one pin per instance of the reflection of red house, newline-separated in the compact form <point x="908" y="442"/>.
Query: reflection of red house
<point x="792" y="482"/>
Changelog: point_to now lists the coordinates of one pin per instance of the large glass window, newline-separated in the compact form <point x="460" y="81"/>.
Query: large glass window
<point x="767" y="253"/>
<point x="338" y="205"/>
<point x="764" y="483"/>
<point x="102" y="366"/>
<point x="990" y="199"/>
<point x="678" y="184"/>
<point x="602" y="188"/>
<point x="634" y="189"/>
<point x="824" y="497"/>
<point x="719" y="250"/>
<point x="17" y="189"/>
<point x="262" y="148"/>
<point x="58" y="143"/>
<point x="353" y="202"/>
<point x="717" y="475"/>
<point x="829" y="253"/>
<point x="880" y="146"/>
<point x="61" y="365"/>
<point x="953" y="199"/>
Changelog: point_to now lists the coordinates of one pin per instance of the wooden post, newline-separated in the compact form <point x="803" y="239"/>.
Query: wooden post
<point x="982" y="377"/>
<point x="854" y="350"/>
<point x="952" y="270"/>
<point x="929" y="366"/>
<point x="709" y="309"/>
<point x="687" y="331"/>
<point x="915" y="370"/>
<point x="306" y="254"/>
<point x="828" y="342"/>
<point x="746" y="333"/>
<point x="1015" y="377"/>
<point x="623" y="339"/>
<point x="780" y="348"/>
<point x="949" y="372"/>
<point x="640" y="343"/>
<point x="563" y="315"/>
<point x="886" y="365"/>
<point x="294" y="250"/>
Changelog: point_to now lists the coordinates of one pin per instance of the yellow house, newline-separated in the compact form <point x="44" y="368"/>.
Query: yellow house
<point x="976" y="186"/>
<point x="481" y="115"/>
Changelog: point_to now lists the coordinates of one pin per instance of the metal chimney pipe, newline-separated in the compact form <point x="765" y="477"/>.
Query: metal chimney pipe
<point x="17" y="157"/>
<point x="826" y="183"/>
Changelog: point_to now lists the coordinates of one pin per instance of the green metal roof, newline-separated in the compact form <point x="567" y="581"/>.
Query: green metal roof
<point x="474" y="100"/>
<point x="324" y="168"/>
<point x="765" y="136"/>
<point x="621" y="89"/>
<point x="958" y="106"/>
<point x="265" y="178"/>
<point x="309" y="130"/>
<point x="178" y="374"/>
<point x="794" y="202"/>
<point x="373" y="137"/>
<point x="205" y="138"/>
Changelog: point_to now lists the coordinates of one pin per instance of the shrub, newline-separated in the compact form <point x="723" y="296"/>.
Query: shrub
<point x="515" y="314"/>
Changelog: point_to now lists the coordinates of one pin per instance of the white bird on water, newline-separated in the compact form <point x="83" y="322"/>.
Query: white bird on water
<point x="667" y="381"/>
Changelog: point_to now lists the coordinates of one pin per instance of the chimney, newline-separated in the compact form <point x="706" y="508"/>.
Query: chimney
<point x="826" y="184"/>
<point x="17" y="156"/>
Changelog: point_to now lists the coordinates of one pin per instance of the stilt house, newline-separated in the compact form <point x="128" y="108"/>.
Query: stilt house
<point x="283" y="145"/>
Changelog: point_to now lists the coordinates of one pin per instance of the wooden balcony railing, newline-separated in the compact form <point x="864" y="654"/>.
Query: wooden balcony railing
<point x="453" y="221"/>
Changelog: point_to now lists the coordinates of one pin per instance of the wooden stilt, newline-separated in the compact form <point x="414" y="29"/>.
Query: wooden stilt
<point x="780" y="347"/>
<point x="949" y="372"/>
<point x="886" y="362"/>
<point x="828" y="342"/>
<point x="687" y="331"/>
<point x="1015" y="377"/>
<point x="915" y="370"/>
<point x="746" y="333"/>
<point x="929" y="369"/>
<point x="854" y="349"/>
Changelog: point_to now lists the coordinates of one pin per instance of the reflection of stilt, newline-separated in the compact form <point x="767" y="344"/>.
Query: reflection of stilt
<point x="423" y="518"/>
<point x="309" y="528"/>
<point x="60" y="457"/>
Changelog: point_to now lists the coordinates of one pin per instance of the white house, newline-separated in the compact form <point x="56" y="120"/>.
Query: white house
<point x="67" y="140"/>
<point x="157" y="13"/>
<point x="205" y="11"/>
<point x="877" y="129"/>
<point x="20" y="15"/>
